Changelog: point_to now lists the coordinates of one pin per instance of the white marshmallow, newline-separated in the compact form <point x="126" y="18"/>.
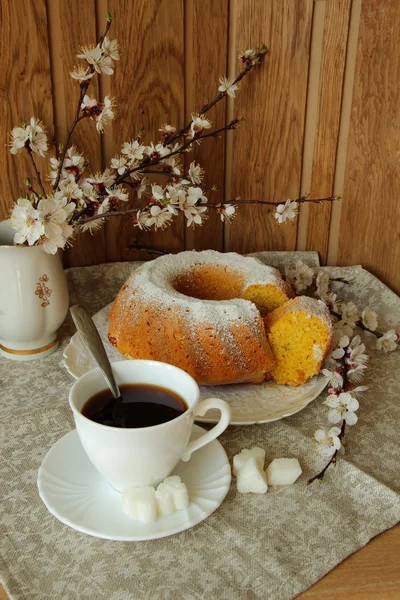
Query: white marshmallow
<point x="240" y="459"/>
<point x="251" y="477"/>
<point x="140" y="504"/>
<point x="283" y="471"/>
<point x="171" y="495"/>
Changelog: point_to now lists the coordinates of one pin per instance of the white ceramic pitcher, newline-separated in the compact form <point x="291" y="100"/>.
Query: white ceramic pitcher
<point x="33" y="298"/>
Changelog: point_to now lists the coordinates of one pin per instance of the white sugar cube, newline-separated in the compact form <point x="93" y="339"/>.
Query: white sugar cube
<point x="240" y="459"/>
<point x="283" y="471"/>
<point x="251" y="477"/>
<point x="140" y="504"/>
<point x="171" y="495"/>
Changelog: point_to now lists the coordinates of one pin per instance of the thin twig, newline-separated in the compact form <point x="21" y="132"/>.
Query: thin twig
<point x="207" y="106"/>
<point x="39" y="179"/>
<point x="300" y="200"/>
<point x="333" y="458"/>
<point x="203" y="186"/>
<point x="358" y="324"/>
<point x="149" y="162"/>
<point x="84" y="87"/>
<point x="215" y="206"/>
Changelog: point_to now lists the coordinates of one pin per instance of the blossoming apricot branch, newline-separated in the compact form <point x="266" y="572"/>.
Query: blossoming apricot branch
<point x="77" y="203"/>
<point x="347" y="362"/>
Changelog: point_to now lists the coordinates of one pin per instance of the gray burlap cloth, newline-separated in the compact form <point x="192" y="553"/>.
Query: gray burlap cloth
<point x="270" y="546"/>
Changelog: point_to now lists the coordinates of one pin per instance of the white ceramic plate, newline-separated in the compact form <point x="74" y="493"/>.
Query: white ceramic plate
<point x="250" y="402"/>
<point x="77" y="495"/>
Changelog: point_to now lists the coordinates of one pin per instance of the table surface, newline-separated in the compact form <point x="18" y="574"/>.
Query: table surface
<point x="372" y="573"/>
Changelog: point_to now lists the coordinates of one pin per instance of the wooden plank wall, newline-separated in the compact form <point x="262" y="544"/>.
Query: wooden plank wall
<point x="322" y="114"/>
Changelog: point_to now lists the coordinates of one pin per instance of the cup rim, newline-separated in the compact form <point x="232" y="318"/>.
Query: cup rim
<point x="126" y="429"/>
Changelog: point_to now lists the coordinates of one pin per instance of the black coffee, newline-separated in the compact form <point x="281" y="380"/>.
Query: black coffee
<point x="142" y="406"/>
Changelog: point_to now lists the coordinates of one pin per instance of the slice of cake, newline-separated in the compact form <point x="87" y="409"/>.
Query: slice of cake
<point x="300" y="335"/>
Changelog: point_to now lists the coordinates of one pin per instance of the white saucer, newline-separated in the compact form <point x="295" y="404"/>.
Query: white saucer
<point x="250" y="402"/>
<point x="75" y="493"/>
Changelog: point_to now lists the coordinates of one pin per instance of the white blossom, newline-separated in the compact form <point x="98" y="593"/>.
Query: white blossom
<point x="133" y="150"/>
<point x="73" y="160"/>
<point x="19" y="136"/>
<point x="177" y="196"/>
<point x="110" y="48"/>
<point x="331" y="301"/>
<point x="195" y="173"/>
<point x="88" y="103"/>
<point x="388" y="342"/>
<point x="360" y="389"/>
<point x="104" y="207"/>
<point x="356" y="373"/>
<point x="106" y="115"/>
<point x="194" y="214"/>
<point x="157" y="151"/>
<point x="141" y="190"/>
<point x="195" y="194"/>
<point x="117" y="194"/>
<point x="157" y="192"/>
<point x="92" y="226"/>
<point x="105" y="179"/>
<point x="322" y="285"/>
<point x="141" y="218"/>
<point x="89" y="192"/>
<point x="71" y="190"/>
<point x="334" y="378"/>
<point x="369" y="318"/>
<point x="327" y="441"/>
<point x="342" y="330"/>
<point x="119" y="164"/>
<point x="167" y="130"/>
<point x="350" y="313"/>
<point x="25" y="219"/>
<point x="37" y="137"/>
<point x="300" y="276"/>
<point x="227" y="212"/>
<point x="342" y="407"/>
<point x="228" y="86"/>
<point x="159" y="217"/>
<point x="286" y="211"/>
<point x="81" y="74"/>
<point x="355" y="352"/>
<point x="174" y="163"/>
<point x="338" y="353"/>
<point x="55" y="218"/>
<point x="199" y="123"/>
<point x="95" y="56"/>
<point x="248" y="56"/>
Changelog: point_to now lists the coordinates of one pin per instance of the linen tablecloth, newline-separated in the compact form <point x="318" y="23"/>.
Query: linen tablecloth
<point x="254" y="547"/>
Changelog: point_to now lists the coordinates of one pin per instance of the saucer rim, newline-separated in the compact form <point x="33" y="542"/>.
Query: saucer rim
<point x="184" y="526"/>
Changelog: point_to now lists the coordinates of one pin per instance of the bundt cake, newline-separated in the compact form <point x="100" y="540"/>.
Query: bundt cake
<point x="300" y="335"/>
<point x="200" y="311"/>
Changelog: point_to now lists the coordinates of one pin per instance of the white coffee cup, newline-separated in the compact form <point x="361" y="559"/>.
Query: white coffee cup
<point x="143" y="456"/>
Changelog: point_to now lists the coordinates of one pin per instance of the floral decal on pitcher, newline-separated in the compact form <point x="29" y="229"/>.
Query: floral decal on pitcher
<point x="43" y="291"/>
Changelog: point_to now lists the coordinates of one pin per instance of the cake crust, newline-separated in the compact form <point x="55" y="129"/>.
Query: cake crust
<point x="195" y="310"/>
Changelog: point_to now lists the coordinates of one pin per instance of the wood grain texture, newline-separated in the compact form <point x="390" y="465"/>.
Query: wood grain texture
<point x="372" y="573"/>
<point x="336" y="25"/>
<point x="149" y="90"/>
<point x="65" y="42"/>
<point x="25" y="89"/>
<point x="369" y="232"/>
<point x="268" y="147"/>
<point x="207" y="20"/>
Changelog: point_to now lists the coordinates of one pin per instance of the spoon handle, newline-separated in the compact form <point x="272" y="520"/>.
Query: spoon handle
<point x="92" y="341"/>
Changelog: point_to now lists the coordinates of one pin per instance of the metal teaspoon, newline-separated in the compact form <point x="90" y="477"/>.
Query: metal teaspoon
<point x="92" y="342"/>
